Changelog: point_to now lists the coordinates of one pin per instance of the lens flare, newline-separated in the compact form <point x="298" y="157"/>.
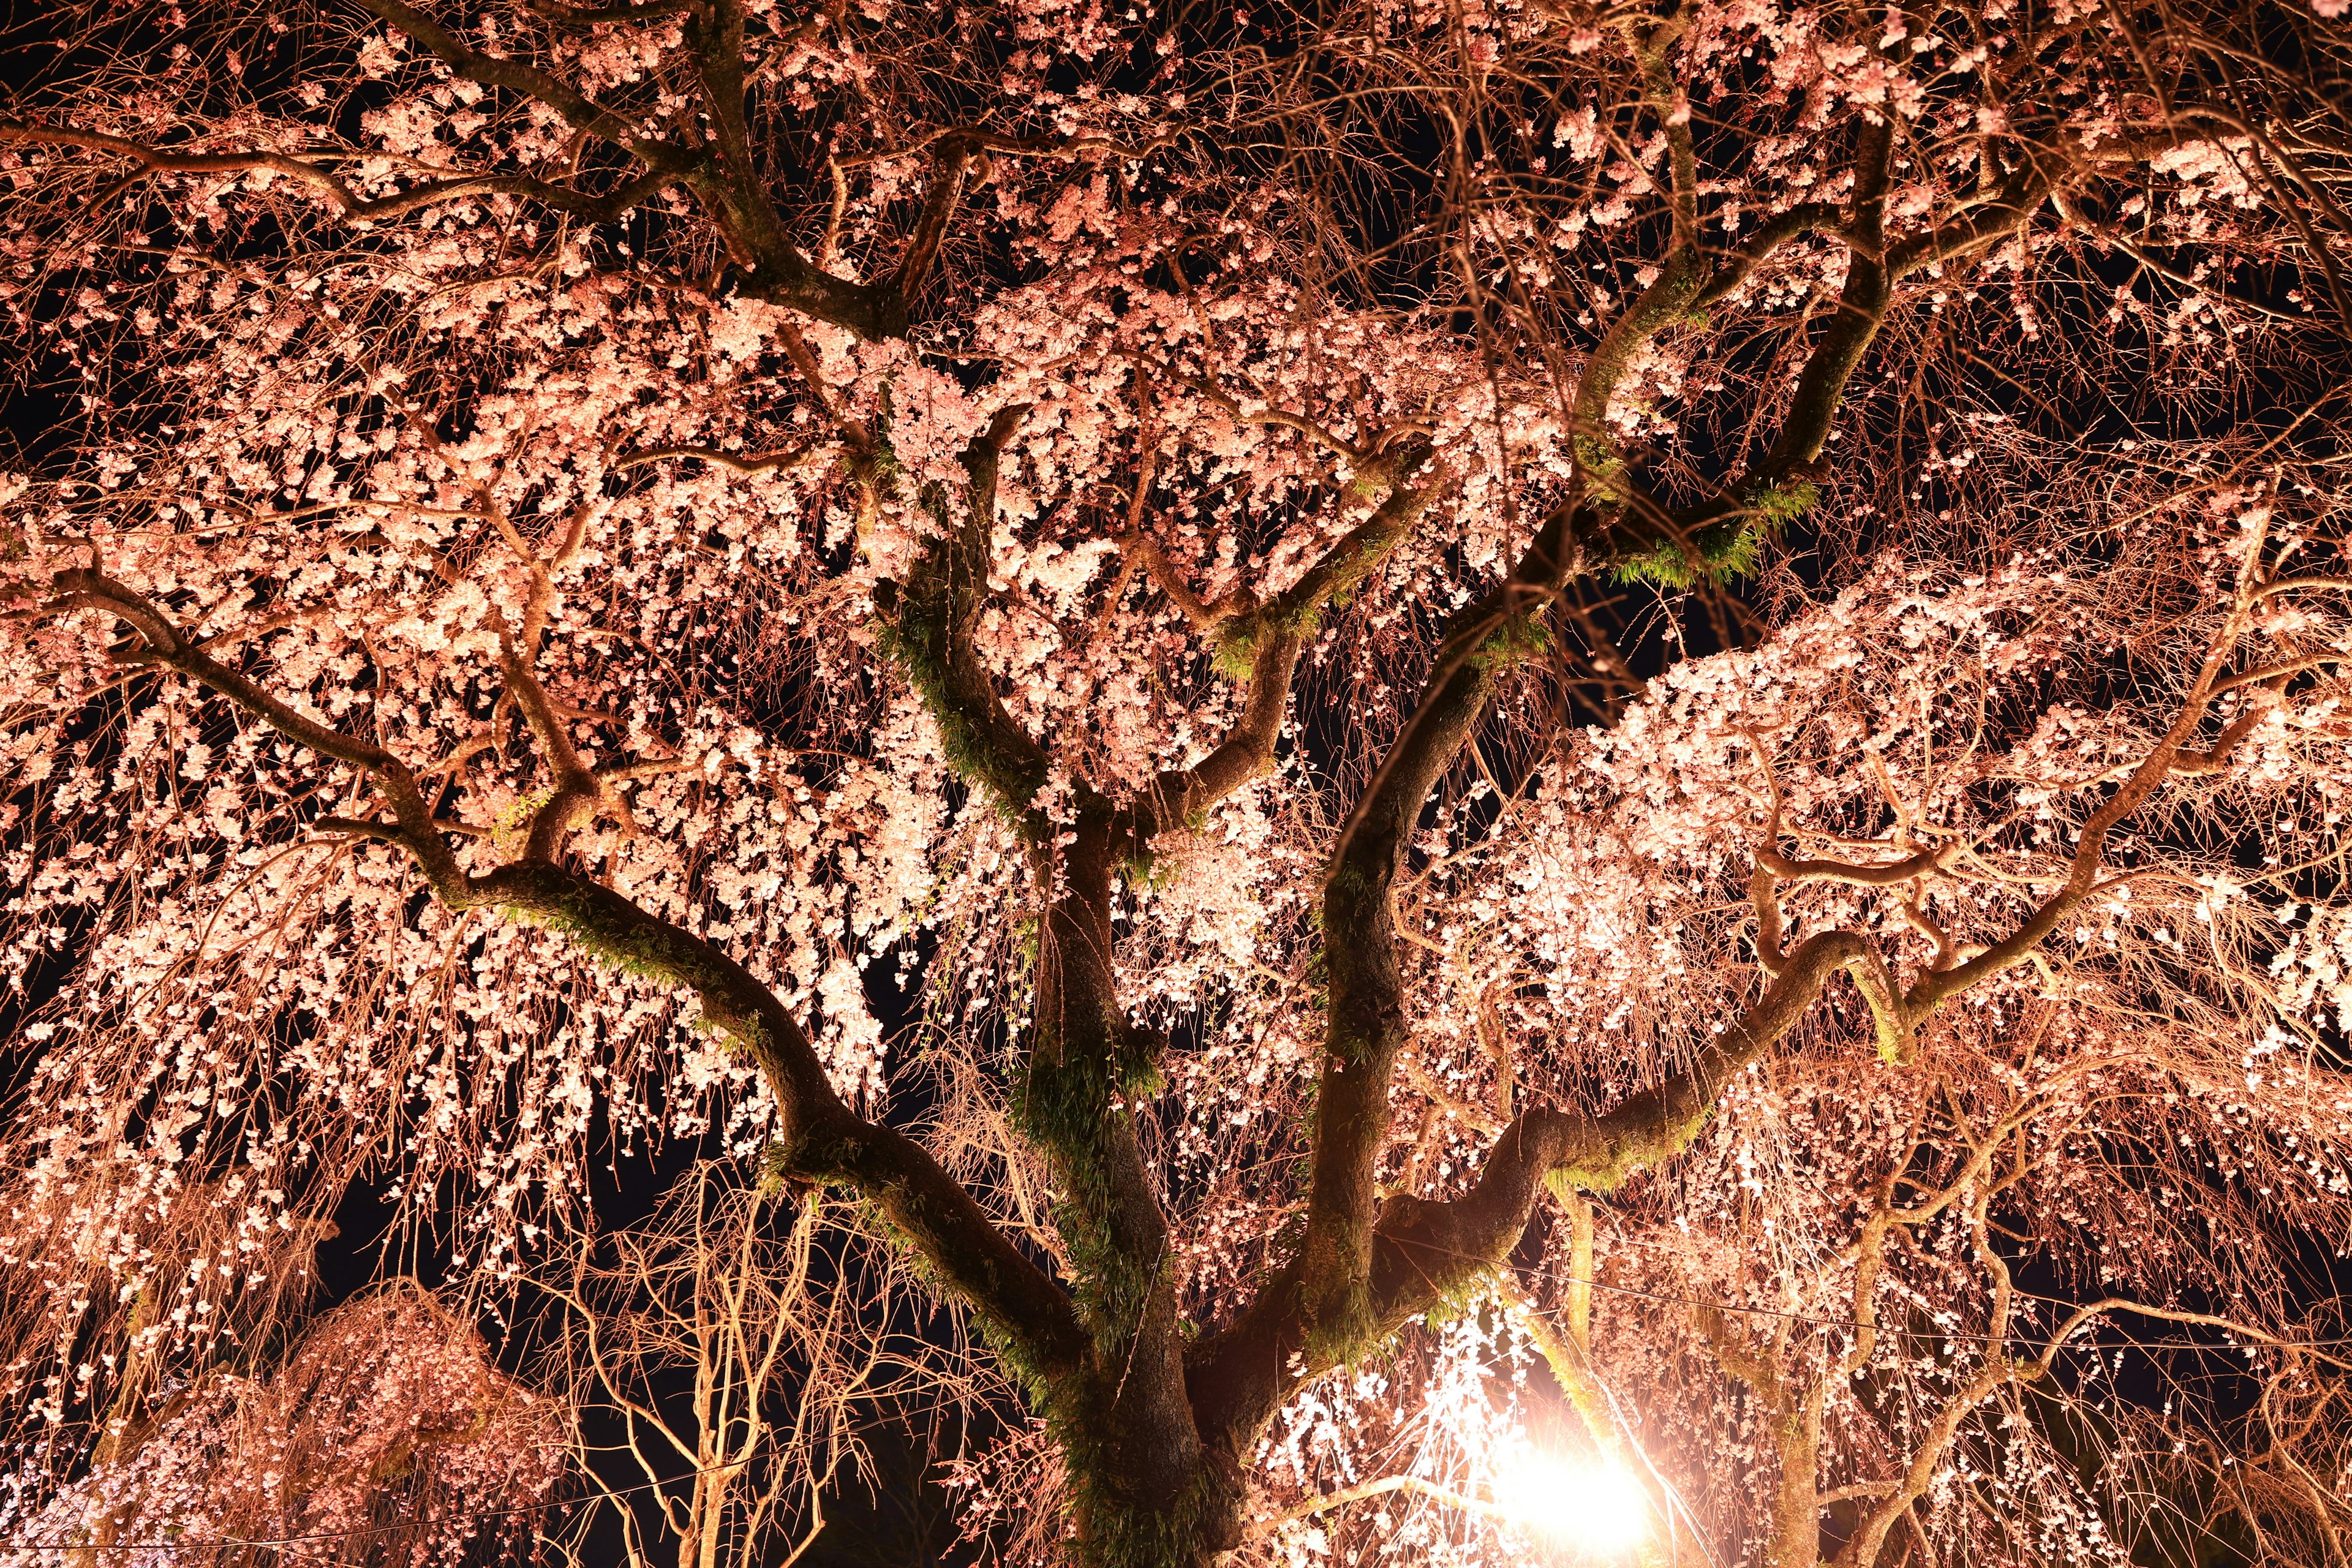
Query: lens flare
<point x="1597" y="1507"/>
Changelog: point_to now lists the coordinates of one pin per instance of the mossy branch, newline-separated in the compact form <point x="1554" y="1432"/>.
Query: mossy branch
<point x="821" y="1140"/>
<point x="927" y="629"/>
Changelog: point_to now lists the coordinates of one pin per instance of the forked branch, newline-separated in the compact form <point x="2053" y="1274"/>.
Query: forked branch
<point x="821" y="1138"/>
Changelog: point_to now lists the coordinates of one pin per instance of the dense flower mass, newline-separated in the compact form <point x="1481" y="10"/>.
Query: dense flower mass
<point x="387" y="1407"/>
<point x="1324" y="752"/>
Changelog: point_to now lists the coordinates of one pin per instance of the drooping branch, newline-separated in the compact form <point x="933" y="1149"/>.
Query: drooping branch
<point x="579" y="111"/>
<point x="1421" y="1252"/>
<point x="2081" y="876"/>
<point x="821" y="1138"/>
<point x="1570" y="1354"/>
<point x="164" y="646"/>
<point x="1426" y="1248"/>
<point x="347" y="201"/>
<point x="723" y="175"/>
<point x="1928" y="1459"/>
<point x="1387" y="1485"/>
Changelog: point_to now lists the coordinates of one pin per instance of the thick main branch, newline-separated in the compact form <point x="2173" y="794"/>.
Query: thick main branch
<point x="820" y="1139"/>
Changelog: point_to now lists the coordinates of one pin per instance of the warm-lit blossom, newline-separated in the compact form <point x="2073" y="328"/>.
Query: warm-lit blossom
<point x="386" y="1437"/>
<point x="1336" y="757"/>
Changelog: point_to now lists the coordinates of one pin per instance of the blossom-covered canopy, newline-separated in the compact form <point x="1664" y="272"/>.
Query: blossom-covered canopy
<point x="1399" y="733"/>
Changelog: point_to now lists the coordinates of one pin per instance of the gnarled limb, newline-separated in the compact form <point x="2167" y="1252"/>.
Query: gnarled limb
<point x="1125" y="1412"/>
<point x="722" y="180"/>
<point x="714" y="31"/>
<point x="1936" y="985"/>
<point x="1278" y="419"/>
<point x="822" y="1139"/>
<point x="1365" y="1027"/>
<point x="2215" y="758"/>
<point x="1421" y="1252"/>
<point x="1772" y="865"/>
<point x="1636" y="525"/>
<point x="725" y="176"/>
<point x="1861" y="306"/>
<point x="2008" y="212"/>
<point x="1179" y="795"/>
<point x="1426" y="1249"/>
<point x="1777" y="231"/>
<point x="933" y="618"/>
<point x="1780" y="484"/>
<point x="1237" y="1375"/>
<point x="1343" y="569"/>
<point x="957" y="156"/>
<point x="1273" y="633"/>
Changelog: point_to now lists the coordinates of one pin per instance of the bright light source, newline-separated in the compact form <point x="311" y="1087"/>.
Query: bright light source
<point x="1594" y="1506"/>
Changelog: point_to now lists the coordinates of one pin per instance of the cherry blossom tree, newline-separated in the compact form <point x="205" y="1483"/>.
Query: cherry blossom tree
<point x="386" y="1411"/>
<point x="1405" y="733"/>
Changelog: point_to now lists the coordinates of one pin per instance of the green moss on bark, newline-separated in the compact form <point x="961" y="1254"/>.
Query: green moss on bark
<point x="1725" y="550"/>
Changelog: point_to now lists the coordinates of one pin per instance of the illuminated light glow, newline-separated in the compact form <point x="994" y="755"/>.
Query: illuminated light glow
<point x="1592" y="1505"/>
